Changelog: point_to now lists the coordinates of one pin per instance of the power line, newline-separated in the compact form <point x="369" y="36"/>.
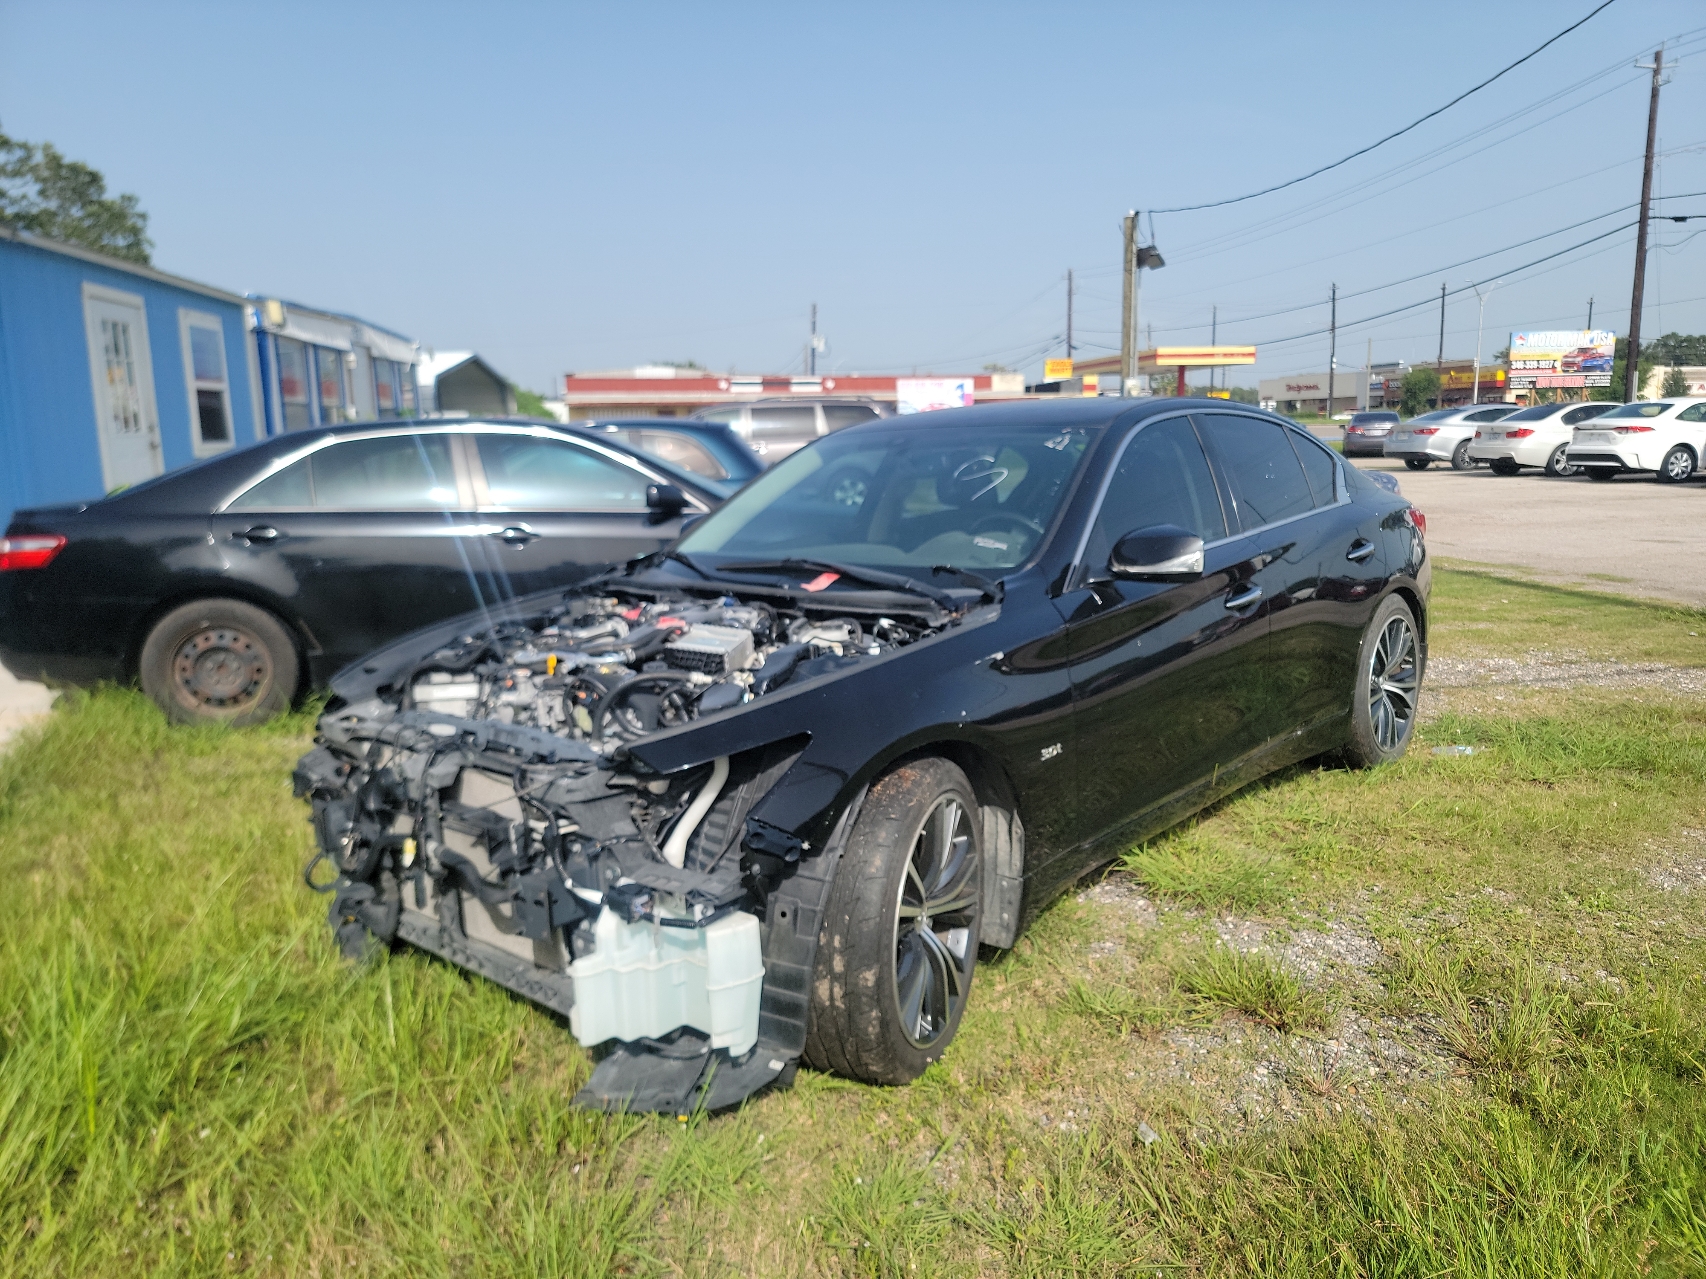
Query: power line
<point x="1191" y="208"/>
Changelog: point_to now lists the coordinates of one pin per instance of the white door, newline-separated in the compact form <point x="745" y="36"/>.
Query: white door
<point x="125" y="417"/>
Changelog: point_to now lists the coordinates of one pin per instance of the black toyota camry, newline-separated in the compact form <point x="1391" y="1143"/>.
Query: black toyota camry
<point x="762" y="796"/>
<point x="231" y="586"/>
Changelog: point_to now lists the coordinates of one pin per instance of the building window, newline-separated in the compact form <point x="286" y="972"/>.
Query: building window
<point x="385" y="394"/>
<point x="208" y="383"/>
<point x="293" y="383"/>
<point x="329" y="377"/>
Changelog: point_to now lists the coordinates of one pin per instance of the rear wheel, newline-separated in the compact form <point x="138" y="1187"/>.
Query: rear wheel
<point x="1601" y="472"/>
<point x="1559" y="462"/>
<point x="899" y="938"/>
<point x="1389" y="682"/>
<point x="1677" y="466"/>
<point x="219" y="662"/>
<point x="1460" y="459"/>
<point x="1418" y="463"/>
<point x="1505" y="467"/>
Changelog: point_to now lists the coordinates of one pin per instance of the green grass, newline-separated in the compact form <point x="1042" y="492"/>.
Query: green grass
<point x="191" y="1083"/>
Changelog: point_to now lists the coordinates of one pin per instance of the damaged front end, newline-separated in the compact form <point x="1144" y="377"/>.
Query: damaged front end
<point x="486" y="806"/>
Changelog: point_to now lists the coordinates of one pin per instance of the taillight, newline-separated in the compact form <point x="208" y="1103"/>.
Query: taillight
<point x="33" y="550"/>
<point x="1521" y="433"/>
<point x="1477" y="435"/>
<point x="1427" y="430"/>
<point x="1419" y="520"/>
<point x="1631" y="430"/>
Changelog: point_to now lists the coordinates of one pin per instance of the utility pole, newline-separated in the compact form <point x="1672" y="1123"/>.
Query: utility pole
<point x="1632" y="361"/>
<point x="1332" y="347"/>
<point x="1439" y="360"/>
<point x="811" y="348"/>
<point x="1069" y="313"/>
<point x="1213" y="340"/>
<point x="1128" y="318"/>
<point x="1480" y="318"/>
<point x="1590" y="315"/>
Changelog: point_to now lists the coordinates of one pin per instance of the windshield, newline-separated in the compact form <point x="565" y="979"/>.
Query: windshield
<point x="1537" y="412"/>
<point x="1647" y="409"/>
<point x="907" y="496"/>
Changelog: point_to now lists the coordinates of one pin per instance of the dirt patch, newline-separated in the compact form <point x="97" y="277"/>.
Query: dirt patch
<point x="1682" y="869"/>
<point x="1538" y="669"/>
<point x="1124" y="895"/>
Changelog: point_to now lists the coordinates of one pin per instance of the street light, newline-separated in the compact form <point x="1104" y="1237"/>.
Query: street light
<point x="1475" y="396"/>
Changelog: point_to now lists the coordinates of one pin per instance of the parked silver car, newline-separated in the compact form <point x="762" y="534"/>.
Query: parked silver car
<point x="776" y="427"/>
<point x="1443" y="435"/>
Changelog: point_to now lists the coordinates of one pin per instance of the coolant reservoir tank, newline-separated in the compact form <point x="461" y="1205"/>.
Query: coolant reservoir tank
<point x="643" y="980"/>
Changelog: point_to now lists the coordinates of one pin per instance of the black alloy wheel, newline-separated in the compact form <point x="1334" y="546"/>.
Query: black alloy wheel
<point x="1460" y="459"/>
<point x="1389" y="684"/>
<point x="1559" y="463"/>
<point x="1601" y="473"/>
<point x="898" y="944"/>
<point x="1677" y="466"/>
<point x="219" y="661"/>
<point x="1418" y="463"/>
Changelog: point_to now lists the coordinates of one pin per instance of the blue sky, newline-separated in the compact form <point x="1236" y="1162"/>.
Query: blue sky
<point x="574" y="187"/>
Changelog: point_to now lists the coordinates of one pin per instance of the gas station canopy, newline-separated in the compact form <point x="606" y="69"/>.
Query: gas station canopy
<point x="1161" y="358"/>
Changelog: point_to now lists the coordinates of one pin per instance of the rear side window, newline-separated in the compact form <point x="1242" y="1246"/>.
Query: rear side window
<point x="529" y="473"/>
<point x="1162" y="478"/>
<point x="397" y="473"/>
<point x="836" y="416"/>
<point x="1320" y="465"/>
<point x="1267" y="479"/>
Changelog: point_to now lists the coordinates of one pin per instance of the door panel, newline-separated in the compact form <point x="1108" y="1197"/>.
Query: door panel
<point x="126" y="420"/>
<point x="554" y="513"/>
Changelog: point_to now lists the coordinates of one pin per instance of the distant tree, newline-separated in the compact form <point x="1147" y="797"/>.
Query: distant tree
<point x="1675" y="383"/>
<point x="996" y="368"/>
<point x="529" y="403"/>
<point x="45" y="194"/>
<point x="679" y="364"/>
<point x="1615" y="391"/>
<point x="1244" y="394"/>
<point x="1679" y="348"/>
<point x="1418" y="391"/>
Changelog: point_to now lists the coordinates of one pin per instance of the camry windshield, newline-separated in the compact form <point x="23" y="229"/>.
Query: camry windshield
<point x="912" y="495"/>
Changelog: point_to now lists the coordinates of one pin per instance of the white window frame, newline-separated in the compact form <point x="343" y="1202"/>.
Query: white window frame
<point x="143" y="354"/>
<point x="187" y="320"/>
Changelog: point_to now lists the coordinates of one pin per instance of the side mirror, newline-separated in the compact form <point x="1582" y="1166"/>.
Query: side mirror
<point x="1160" y="553"/>
<point x="665" y="501"/>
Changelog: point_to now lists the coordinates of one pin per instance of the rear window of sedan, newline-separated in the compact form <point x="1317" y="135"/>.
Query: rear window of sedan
<point x="1537" y="412"/>
<point x="1648" y="408"/>
<point x="1372" y="419"/>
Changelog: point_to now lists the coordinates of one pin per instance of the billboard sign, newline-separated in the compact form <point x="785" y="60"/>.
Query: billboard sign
<point x="1561" y="357"/>
<point x="923" y="394"/>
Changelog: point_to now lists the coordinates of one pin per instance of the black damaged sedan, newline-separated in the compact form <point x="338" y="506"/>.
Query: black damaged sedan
<point x="760" y="798"/>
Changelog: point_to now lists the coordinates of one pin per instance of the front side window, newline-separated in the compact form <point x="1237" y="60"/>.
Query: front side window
<point x="209" y="388"/>
<point x="535" y="473"/>
<point x="1267" y="479"/>
<point x="1162" y="478"/>
<point x="293" y="383"/>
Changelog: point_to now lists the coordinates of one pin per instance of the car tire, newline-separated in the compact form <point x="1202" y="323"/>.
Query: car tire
<point x="1677" y="466"/>
<point x="1558" y="464"/>
<point x="1418" y="463"/>
<point x="220" y="661"/>
<point x="1601" y="473"/>
<point x="1460" y="459"/>
<point x="1388" y="686"/>
<point x="1502" y="467"/>
<point x="888" y="991"/>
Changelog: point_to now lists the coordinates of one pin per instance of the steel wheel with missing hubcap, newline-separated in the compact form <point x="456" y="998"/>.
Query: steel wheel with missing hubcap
<point x="1393" y="679"/>
<point x="222" y="668"/>
<point x="219" y="660"/>
<point x="934" y="946"/>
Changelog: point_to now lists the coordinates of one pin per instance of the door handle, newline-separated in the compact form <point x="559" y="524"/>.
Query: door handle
<point x="1360" y="550"/>
<point x="1244" y="598"/>
<point x="516" y="535"/>
<point x="258" y="533"/>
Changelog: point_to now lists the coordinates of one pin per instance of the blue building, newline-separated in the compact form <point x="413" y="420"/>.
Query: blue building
<point x="318" y="368"/>
<point x="112" y="373"/>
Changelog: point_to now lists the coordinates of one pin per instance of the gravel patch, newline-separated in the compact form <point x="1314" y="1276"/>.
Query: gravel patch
<point x="1335" y="950"/>
<point x="1538" y="669"/>
<point x="1124" y="895"/>
<point x="1683" y="869"/>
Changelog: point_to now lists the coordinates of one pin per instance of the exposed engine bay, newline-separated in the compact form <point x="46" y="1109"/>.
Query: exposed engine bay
<point x="485" y="806"/>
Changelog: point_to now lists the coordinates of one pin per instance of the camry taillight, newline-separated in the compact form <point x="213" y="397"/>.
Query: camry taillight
<point x="32" y="550"/>
<point x="1427" y="430"/>
<point x="1477" y="435"/>
<point x="1631" y="430"/>
<point x="1419" y="520"/>
<point x="1521" y="433"/>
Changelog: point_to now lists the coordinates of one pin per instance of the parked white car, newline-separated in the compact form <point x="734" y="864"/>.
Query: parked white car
<point x="1443" y="435"/>
<point x="1665" y="438"/>
<point x="1536" y="436"/>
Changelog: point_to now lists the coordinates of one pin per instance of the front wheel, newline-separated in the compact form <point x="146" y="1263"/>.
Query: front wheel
<point x="1389" y="683"/>
<point x="899" y="938"/>
<point x="1559" y="463"/>
<point x="1460" y="459"/>
<point x="219" y="662"/>
<point x="1677" y="466"/>
<point x="1418" y="463"/>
